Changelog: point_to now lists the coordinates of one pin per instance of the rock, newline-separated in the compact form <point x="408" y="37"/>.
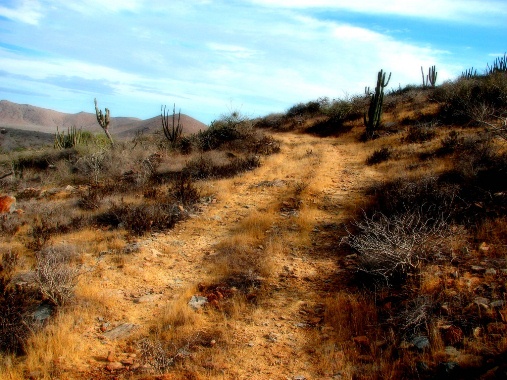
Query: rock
<point x="453" y="335"/>
<point x="114" y="366"/>
<point x="484" y="247"/>
<point x="197" y="302"/>
<point x="148" y="298"/>
<point x="132" y="248"/>
<point x="7" y="204"/>
<point x="128" y="362"/>
<point x="421" y="343"/>
<point x="451" y="351"/>
<point x="491" y="272"/>
<point x="121" y="331"/>
<point x="482" y="302"/>
<point x="42" y="312"/>
<point x="299" y="377"/>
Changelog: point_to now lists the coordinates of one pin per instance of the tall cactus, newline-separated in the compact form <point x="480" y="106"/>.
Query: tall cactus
<point x="172" y="132"/>
<point x="373" y="116"/>
<point x="431" y="78"/>
<point x="103" y="119"/>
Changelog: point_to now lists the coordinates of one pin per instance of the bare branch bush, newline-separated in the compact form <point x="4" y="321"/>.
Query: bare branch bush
<point x="56" y="275"/>
<point x="397" y="244"/>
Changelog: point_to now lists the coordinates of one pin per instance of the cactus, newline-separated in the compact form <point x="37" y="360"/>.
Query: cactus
<point x="172" y="132"/>
<point x="72" y="138"/>
<point x="431" y="78"/>
<point x="469" y="74"/>
<point x="103" y="119"/>
<point x="499" y="65"/>
<point x="374" y="114"/>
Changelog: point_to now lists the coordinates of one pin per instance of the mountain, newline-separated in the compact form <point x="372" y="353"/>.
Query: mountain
<point x="31" y="118"/>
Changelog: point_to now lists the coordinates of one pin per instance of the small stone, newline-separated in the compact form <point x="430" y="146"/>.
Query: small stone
<point x="197" y="302"/>
<point x="128" y="362"/>
<point x="299" y="377"/>
<point x="114" y="366"/>
<point x="498" y="304"/>
<point x="451" y="351"/>
<point x="484" y="247"/>
<point x="490" y="272"/>
<point x="148" y="298"/>
<point x="482" y="302"/>
<point x="421" y="343"/>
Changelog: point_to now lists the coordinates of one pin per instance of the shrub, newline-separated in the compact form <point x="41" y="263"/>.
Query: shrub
<point x="15" y="327"/>
<point x="202" y="168"/>
<point x="393" y="246"/>
<point x="302" y="109"/>
<point x="55" y="275"/>
<point x="139" y="219"/>
<point x="470" y="100"/>
<point x="420" y="133"/>
<point x="379" y="155"/>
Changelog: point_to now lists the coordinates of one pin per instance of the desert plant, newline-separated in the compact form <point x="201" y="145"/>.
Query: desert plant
<point x="499" y="65"/>
<point x="154" y="353"/>
<point x="379" y="155"/>
<point x="55" y="275"/>
<point x="469" y="73"/>
<point x="431" y="77"/>
<point x="103" y="120"/>
<point x="372" y="118"/>
<point x="396" y="245"/>
<point x="72" y="138"/>
<point x="15" y="327"/>
<point x="173" y="131"/>
<point x="420" y="133"/>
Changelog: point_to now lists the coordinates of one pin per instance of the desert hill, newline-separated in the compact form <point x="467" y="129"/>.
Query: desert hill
<point x="31" y="118"/>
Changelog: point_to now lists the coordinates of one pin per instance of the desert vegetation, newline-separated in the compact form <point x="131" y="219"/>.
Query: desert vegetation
<point x="356" y="238"/>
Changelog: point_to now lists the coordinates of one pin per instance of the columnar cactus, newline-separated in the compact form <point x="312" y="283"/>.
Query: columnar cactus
<point x="431" y="78"/>
<point x="73" y="138"/>
<point x="172" y="132"/>
<point x="373" y="116"/>
<point x="103" y="119"/>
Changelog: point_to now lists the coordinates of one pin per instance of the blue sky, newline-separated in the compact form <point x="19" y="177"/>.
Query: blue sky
<point x="213" y="57"/>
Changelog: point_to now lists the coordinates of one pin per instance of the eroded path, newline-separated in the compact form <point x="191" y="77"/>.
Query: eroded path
<point x="289" y="213"/>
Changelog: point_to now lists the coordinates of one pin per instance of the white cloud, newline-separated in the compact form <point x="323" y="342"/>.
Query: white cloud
<point x="28" y="11"/>
<point x="469" y="10"/>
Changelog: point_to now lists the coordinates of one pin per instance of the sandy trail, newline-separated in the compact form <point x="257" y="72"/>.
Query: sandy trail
<point x="274" y="339"/>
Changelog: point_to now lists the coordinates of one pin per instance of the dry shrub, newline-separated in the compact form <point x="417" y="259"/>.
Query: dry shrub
<point x="380" y="155"/>
<point x="394" y="246"/>
<point x="56" y="273"/>
<point x="420" y="133"/>
<point x="142" y="218"/>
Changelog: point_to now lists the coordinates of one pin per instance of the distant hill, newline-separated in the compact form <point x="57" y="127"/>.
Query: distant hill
<point x="30" y="118"/>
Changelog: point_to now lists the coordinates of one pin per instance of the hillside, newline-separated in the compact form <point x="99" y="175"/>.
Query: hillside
<point x="294" y="246"/>
<point x="30" y="118"/>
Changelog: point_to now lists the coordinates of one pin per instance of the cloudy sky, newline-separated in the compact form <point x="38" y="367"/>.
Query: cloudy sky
<point x="211" y="57"/>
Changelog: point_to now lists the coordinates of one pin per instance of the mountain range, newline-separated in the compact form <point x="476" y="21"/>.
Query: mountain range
<point x="30" y="118"/>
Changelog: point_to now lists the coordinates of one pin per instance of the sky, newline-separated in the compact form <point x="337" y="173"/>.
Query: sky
<point x="211" y="58"/>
